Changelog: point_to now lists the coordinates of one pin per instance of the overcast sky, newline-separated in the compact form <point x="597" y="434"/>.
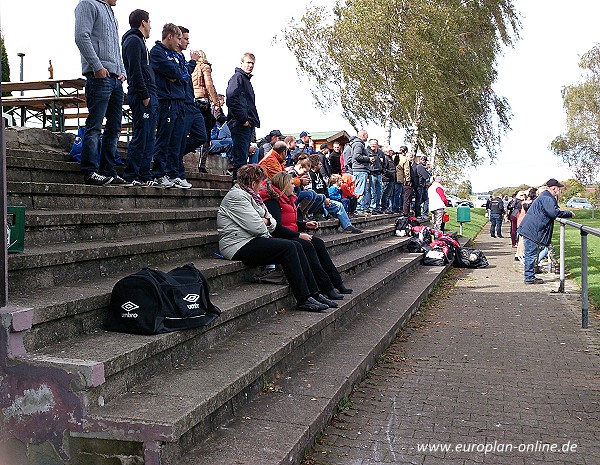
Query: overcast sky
<point x="531" y="75"/>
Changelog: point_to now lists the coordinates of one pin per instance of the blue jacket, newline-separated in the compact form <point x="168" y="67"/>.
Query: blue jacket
<point x="538" y="223"/>
<point x="335" y="193"/>
<point x="169" y="72"/>
<point x="240" y="100"/>
<point x="140" y="75"/>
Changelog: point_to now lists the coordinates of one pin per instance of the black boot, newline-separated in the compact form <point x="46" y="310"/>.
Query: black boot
<point x="311" y="305"/>
<point x="343" y="289"/>
<point x="334" y="295"/>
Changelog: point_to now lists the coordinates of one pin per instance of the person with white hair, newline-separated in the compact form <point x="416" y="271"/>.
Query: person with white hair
<point x="437" y="201"/>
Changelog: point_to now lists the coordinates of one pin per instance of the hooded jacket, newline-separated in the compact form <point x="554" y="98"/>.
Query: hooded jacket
<point x="203" y="83"/>
<point x="140" y="75"/>
<point x="360" y="156"/>
<point x="240" y="100"/>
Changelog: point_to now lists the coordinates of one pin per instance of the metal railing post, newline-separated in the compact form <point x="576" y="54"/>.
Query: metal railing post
<point x="561" y="285"/>
<point x="584" y="280"/>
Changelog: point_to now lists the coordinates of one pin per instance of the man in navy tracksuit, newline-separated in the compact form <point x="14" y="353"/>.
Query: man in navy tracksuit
<point x="141" y="96"/>
<point x="194" y="132"/>
<point x="165" y="62"/>
<point x="242" y="116"/>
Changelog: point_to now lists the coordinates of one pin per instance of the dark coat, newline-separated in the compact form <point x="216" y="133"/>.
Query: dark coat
<point x="538" y="223"/>
<point x="240" y="100"/>
<point x="140" y="75"/>
<point x="168" y="71"/>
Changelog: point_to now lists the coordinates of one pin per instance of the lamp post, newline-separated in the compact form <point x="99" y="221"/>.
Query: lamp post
<point x="21" y="55"/>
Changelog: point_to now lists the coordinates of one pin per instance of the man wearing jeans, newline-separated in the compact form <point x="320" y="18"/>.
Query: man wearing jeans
<point x="361" y="168"/>
<point x="243" y="115"/>
<point x="537" y="226"/>
<point x="97" y="37"/>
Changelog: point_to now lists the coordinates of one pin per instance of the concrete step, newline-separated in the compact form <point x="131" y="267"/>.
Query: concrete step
<point x="177" y="407"/>
<point x="57" y="167"/>
<point x="82" y="197"/>
<point x="277" y="426"/>
<point x="45" y="266"/>
<point x="55" y="226"/>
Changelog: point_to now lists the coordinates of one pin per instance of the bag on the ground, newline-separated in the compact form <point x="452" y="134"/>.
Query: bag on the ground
<point x="446" y="247"/>
<point x="153" y="302"/>
<point x="78" y="146"/>
<point x="435" y="257"/>
<point x="402" y="227"/>
<point x="416" y="245"/>
<point x="422" y="232"/>
<point x="272" y="276"/>
<point x="470" y="258"/>
<point x="413" y="221"/>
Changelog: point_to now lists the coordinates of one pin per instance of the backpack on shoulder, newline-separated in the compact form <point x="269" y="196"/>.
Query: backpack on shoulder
<point x="153" y="302"/>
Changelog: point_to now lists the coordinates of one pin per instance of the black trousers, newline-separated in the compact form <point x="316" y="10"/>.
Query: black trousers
<point x="288" y="254"/>
<point x="324" y="271"/>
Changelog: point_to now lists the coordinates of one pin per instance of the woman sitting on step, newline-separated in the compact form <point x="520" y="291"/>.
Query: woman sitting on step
<point x="245" y="226"/>
<point x="280" y="200"/>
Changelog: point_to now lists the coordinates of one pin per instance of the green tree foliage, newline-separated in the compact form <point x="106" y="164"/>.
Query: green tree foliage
<point x="4" y="60"/>
<point x="425" y="66"/>
<point x="465" y="189"/>
<point x="579" y="145"/>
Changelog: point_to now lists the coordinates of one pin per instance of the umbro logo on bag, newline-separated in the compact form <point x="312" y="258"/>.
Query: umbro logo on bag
<point x="192" y="298"/>
<point x="129" y="307"/>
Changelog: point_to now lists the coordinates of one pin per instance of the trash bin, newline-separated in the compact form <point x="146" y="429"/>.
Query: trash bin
<point x="463" y="214"/>
<point x="15" y="229"/>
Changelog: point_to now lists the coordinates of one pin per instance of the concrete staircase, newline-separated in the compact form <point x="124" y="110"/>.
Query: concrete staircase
<point x="254" y="387"/>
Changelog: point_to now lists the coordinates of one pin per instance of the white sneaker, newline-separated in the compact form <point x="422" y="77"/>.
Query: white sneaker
<point x="152" y="183"/>
<point x="181" y="183"/>
<point x="165" y="182"/>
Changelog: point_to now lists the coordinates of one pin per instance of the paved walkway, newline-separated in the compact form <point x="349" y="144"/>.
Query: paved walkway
<point x="494" y="366"/>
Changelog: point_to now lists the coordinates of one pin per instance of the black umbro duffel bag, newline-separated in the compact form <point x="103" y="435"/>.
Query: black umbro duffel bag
<point x="152" y="302"/>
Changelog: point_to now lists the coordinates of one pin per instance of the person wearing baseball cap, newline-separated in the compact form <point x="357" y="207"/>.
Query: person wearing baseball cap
<point x="306" y="143"/>
<point x="537" y="227"/>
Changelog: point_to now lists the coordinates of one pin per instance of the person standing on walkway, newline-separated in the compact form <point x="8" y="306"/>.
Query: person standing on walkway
<point x="242" y="115"/>
<point x="512" y="213"/>
<point x="496" y="207"/>
<point x="141" y="96"/>
<point x="537" y="227"/>
<point x="97" y="38"/>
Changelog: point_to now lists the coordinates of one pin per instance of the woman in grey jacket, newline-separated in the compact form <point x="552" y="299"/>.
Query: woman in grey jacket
<point x="245" y="225"/>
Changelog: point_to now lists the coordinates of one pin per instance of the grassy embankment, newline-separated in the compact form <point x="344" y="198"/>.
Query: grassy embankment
<point x="471" y="229"/>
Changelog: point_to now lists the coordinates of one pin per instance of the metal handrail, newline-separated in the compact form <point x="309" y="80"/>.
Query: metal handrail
<point x="583" y="231"/>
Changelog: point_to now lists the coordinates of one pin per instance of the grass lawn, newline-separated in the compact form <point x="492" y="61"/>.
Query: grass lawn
<point x="471" y="229"/>
<point x="573" y="252"/>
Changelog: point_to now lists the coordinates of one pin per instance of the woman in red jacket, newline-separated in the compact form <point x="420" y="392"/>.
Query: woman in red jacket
<point x="280" y="200"/>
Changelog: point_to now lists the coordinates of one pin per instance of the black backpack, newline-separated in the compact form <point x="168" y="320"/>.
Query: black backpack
<point x="470" y="258"/>
<point x="153" y="302"/>
<point x="402" y="227"/>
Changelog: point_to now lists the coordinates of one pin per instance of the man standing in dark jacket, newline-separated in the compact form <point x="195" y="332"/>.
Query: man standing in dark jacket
<point x="141" y="96"/>
<point x="496" y="207"/>
<point x="243" y="116"/>
<point x="361" y="168"/>
<point x="375" y="176"/>
<point x="389" y="180"/>
<point x="537" y="226"/>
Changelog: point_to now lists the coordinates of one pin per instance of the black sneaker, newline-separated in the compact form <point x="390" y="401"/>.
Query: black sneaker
<point x="95" y="179"/>
<point x="119" y="181"/>
<point x="352" y="230"/>
<point x="534" y="281"/>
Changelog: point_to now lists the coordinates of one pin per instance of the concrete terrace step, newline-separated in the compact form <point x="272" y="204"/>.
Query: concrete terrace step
<point x="53" y="167"/>
<point x="179" y="406"/>
<point x="276" y="427"/>
<point x="55" y="226"/>
<point x="52" y="265"/>
<point x="83" y="197"/>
